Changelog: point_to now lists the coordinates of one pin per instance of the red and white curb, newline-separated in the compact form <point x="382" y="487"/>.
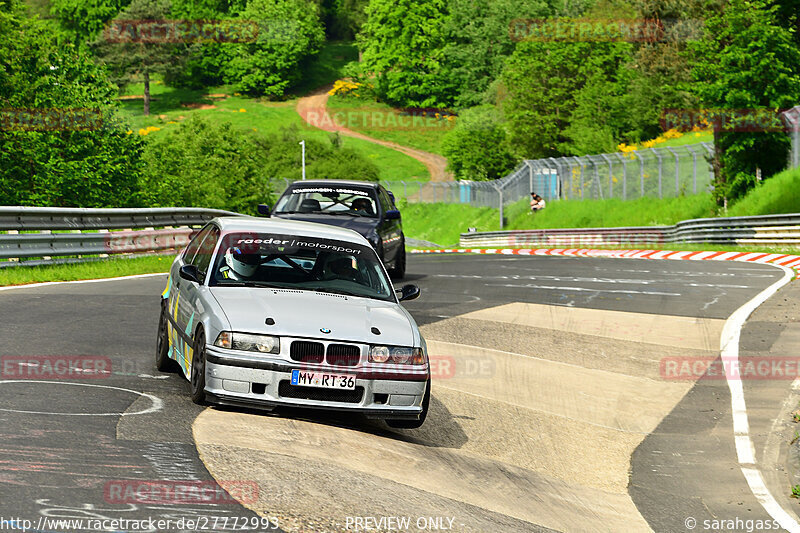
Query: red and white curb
<point x="791" y="261"/>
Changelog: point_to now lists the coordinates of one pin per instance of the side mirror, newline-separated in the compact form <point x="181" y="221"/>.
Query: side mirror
<point x="263" y="209"/>
<point x="393" y="214"/>
<point x="409" y="292"/>
<point x="190" y="272"/>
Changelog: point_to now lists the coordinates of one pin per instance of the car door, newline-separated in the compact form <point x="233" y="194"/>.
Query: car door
<point x="191" y="293"/>
<point x="187" y="291"/>
<point x="389" y="230"/>
<point x="186" y="258"/>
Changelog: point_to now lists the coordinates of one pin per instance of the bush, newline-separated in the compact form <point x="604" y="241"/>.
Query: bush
<point x="202" y="163"/>
<point x="323" y="160"/>
<point x="476" y="149"/>
<point x="93" y="163"/>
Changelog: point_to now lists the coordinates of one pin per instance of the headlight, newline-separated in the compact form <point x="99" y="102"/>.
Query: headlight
<point x="248" y="343"/>
<point x="379" y="354"/>
<point x="402" y="355"/>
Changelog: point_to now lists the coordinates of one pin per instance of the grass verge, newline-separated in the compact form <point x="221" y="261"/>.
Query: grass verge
<point x="443" y="223"/>
<point x="171" y="105"/>
<point x="386" y="123"/>
<point x="106" y="268"/>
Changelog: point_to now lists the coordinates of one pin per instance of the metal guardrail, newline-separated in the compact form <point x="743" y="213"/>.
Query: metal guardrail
<point x="783" y="230"/>
<point x="45" y="232"/>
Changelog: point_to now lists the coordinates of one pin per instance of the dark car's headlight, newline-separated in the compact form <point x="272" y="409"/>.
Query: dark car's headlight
<point x="401" y="355"/>
<point x="248" y="342"/>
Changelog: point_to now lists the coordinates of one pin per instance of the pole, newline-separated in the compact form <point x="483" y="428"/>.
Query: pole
<point x="303" y="144"/>
<point x="500" y="194"/>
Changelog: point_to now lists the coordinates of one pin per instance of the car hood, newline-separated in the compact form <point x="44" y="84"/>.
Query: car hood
<point x="362" y="225"/>
<point x="306" y="313"/>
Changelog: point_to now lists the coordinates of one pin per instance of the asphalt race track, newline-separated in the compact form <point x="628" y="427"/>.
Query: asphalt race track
<point x="550" y="409"/>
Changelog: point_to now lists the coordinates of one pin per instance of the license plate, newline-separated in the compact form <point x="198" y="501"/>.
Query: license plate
<point x="323" y="379"/>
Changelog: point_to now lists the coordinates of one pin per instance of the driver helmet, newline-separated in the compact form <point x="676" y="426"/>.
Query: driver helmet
<point x="241" y="263"/>
<point x="361" y="204"/>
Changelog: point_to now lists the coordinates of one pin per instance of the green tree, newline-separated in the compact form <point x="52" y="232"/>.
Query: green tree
<point x="343" y="19"/>
<point x="84" y="19"/>
<point x="539" y="84"/>
<point x="476" y="149"/>
<point x="131" y="56"/>
<point x="746" y="60"/>
<point x="290" y="33"/>
<point x="402" y="43"/>
<point x="479" y="36"/>
<point x="205" y="64"/>
<point x="602" y="114"/>
<point x="89" y="161"/>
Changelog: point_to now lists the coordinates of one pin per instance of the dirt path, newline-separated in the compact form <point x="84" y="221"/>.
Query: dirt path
<point x="313" y="110"/>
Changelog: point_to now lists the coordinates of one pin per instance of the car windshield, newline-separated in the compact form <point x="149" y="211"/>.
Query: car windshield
<point x="344" y="201"/>
<point x="304" y="263"/>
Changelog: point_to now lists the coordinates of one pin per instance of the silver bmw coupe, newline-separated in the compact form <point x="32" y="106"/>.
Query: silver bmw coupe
<point x="268" y="312"/>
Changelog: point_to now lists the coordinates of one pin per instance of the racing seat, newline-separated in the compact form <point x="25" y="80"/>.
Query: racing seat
<point x="309" y="205"/>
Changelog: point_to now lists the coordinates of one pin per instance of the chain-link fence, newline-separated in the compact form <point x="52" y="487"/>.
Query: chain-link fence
<point x="653" y="172"/>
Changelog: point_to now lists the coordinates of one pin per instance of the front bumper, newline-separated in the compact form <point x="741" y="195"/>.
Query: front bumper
<point x="265" y="383"/>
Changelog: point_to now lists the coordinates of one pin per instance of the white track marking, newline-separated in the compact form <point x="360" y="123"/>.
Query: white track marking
<point x="33" y="285"/>
<point x="157" y="404"/>
<point x="580" y="289"/>
<point x="729" y="348"/>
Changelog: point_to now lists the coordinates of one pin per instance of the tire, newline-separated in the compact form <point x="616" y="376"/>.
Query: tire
<point x="399" y="269"/>
<point x="163" y="362"/>
<point x="414" y="424"/>
<point x="198" y="379"/>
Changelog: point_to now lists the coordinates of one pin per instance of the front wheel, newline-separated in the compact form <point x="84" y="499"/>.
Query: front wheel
<point x="414" y="424"/>
<point x="399" y="269"/>
<point x="163" y="362"/>
<point x="198" y="380"/>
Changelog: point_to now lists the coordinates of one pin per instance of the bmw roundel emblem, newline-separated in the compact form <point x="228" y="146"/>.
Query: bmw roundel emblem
<point x="324" y="330"/>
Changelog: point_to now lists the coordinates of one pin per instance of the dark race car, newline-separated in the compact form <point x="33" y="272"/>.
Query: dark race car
<point x="365" y="207"/>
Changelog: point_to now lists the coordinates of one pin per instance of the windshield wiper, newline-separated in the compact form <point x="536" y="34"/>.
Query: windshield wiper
<point x="348" y="213"/>
<point x="336" y="291"/>
<point x="238" y="283"/>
